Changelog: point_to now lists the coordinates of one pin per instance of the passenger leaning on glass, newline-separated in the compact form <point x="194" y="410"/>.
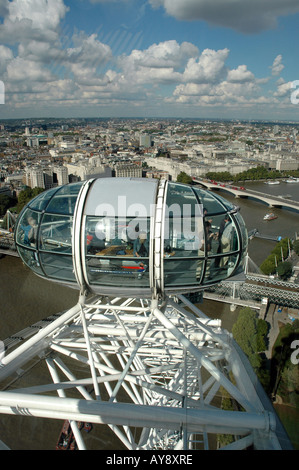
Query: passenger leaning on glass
<point x="30" y="231"/>
<point x="141" y="245"/>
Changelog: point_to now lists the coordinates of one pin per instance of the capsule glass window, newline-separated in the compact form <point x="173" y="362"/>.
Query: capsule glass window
<point x="117" y="251"/>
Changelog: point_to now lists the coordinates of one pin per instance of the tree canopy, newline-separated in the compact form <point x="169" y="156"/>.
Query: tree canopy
<point x="26" y="195"/>
<point x="275" y="261"/>
<point x="253" y="174"/>
<point x="5" y="203"/>
<point x="284" y="270"/>
<point x="296" y="246"/>
<point x="184" y="178"/>
<point x="250" y="333"/>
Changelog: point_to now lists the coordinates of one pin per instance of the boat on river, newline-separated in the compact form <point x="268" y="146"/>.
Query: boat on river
<point x="272" y="182"/>
<point x="66" y="439"/>
<point x="270" y="216"/>
<point x="292" y="180"/>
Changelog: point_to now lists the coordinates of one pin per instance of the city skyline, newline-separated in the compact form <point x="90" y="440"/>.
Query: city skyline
<point x="233" y="59"/>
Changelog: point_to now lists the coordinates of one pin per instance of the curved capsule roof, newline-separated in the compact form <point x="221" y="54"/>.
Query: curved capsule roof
<point x="131" y="237"/>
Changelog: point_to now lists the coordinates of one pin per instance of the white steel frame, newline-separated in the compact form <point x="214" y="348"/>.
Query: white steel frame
<point x="163" y="366"/>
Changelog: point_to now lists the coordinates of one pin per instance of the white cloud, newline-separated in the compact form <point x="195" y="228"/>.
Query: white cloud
<point x="237" y="87"/>
<point x="88" y="50"/>
<point x="49" y="67"/>
<point x="283" y="89"/>
<point x="27" y="71"/>
<point x="44" y="14"/>
<point x="32" y="19"/>
<point x="165" y="54"/>
<point x="43" y="52"/>
<point x="238" y="91"/>
<point x="210" y="66"/>
<point x="242" y="15"/>
<point x="194" y="89"/>
<point x="225" y="95"/>
<point x="240" y="74"/>
<point x="160" y="63"/>
<point x="6" y="55"/>
<point x="277" y="65"/>
<point x="86" y="57"/>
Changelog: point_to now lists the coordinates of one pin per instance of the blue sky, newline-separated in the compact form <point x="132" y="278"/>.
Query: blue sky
<point x="150" y="58"/>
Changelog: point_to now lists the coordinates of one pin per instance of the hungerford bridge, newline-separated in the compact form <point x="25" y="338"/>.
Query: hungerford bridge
<point x="134" y="353"/>
<point x="254" y="292"/>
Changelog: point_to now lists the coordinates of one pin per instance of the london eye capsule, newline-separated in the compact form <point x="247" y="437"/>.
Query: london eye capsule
<point x="131" y="237"/>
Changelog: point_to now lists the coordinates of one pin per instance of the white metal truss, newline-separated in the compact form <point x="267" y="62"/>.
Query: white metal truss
<point x="155" y="373"/>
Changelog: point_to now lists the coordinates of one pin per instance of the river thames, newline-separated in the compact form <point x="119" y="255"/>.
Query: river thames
<point x="26" y="299"/>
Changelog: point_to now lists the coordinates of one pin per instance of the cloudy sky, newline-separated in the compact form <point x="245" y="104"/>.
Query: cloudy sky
<point x="151" y="58"/>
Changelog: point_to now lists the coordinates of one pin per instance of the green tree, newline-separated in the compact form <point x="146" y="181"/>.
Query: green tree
<point x="250" y="333"/>
<point x="284" y="270"/>
<point x="280" y="251"/>
<point x="290" y="377"/>
<point x="257" y="173"/>
<point x="5" y="203"/>
<point x="269" y="265"/>
<point x="219" y="176"/>
<point x="184" y="178"/>
<point x="296" y="247"/>
<point x="26" y="195"/>
<point x="244" y="330"/>
<point x="262" y="327"/>
<point x="256" y="362"/>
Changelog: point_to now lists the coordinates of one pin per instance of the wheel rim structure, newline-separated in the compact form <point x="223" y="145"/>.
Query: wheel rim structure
<point x="157" y="373"/>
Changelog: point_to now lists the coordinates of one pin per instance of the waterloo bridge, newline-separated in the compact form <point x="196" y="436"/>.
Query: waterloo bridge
<point x="241" y="192"/>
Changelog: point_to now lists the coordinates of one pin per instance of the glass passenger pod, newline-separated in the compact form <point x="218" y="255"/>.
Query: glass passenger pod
<point x="131" y="237"/>
<point x="117" y="235"/>
<point x="43" y="234"/>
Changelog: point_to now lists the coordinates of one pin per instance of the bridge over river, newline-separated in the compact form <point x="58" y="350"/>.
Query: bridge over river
<point x="256" y="292"/>
<point x="7" y="244"/>
<point x="271" y="201"/>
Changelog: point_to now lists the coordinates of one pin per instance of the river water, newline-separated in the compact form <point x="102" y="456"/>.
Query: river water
<point x="26" y="299"/>
<point x="252" y="211"/>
